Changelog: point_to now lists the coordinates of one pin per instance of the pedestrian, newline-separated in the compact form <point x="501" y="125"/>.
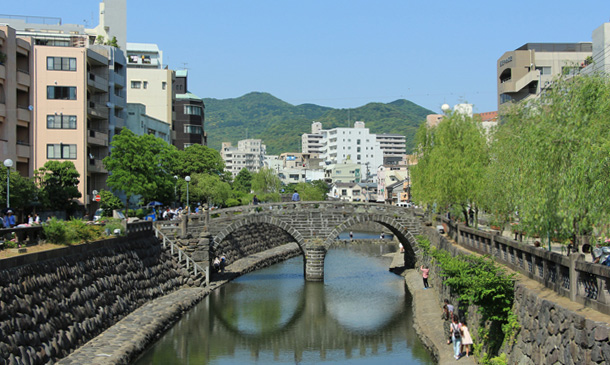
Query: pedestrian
<point x="456" y="337"/>
<point x="36" y="218"/>
<point x="597" y="253"/>
<point x="216" y="264"/>
<point x="9" y="220"/>
<point x="223" y="263"/>
<point x="424" y="274"/>
<point x="255" y="200"/>
<point x="466" y="338"/>
<point x="351" y="235"/>
<point x="447" y="316"/>
<point x="401" y="247"/>
<point x="381" y="236"/>
<point x="30" y="219"/>
<point x="296" y="197"/>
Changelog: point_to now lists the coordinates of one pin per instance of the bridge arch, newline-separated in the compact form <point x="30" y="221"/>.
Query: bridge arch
<point x="259" y="219"/>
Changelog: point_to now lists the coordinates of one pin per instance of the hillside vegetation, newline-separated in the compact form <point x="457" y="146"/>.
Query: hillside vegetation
<point x="280" y="124"/>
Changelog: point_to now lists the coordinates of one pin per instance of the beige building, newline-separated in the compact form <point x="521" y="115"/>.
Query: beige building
<point x="71" y="111"/>
<point x="16" y="100"/>
<point x="148" y="82"/>
<point x="524" y="72"/>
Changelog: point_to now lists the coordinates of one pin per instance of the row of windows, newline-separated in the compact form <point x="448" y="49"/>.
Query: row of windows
<point x="193" y="129"/>
<point x="61" y="63"/>
<point x="61" y="121"/>
<point x="135" y="84"/>
<point x="193" y="110"/>
<point x="61" y="151"/>
<point x="61" y="92"/>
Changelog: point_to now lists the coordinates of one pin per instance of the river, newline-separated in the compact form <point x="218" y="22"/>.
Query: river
<point x="361" y="314"/>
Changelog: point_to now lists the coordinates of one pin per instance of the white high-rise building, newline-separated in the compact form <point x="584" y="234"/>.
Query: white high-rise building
<point x="356" y="144"/>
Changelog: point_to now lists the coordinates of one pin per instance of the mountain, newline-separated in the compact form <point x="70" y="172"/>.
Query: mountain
<point x="280" y="124"/>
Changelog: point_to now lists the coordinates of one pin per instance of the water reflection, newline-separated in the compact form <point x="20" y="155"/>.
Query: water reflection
<point x="361" y="313"/>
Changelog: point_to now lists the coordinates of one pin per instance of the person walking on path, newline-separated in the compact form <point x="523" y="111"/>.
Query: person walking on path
<point x="456" y="337"/>
<point x="351" y="235"/>
<point x="296" y="197"/>
<point x="424" y="274"/>
<point x="466" y="338"/>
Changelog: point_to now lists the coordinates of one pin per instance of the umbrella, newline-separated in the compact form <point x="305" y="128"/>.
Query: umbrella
<point x="154" y="204"/>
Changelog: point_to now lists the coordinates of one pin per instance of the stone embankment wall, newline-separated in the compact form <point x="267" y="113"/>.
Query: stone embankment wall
<point x="52" y="303"/>
<point x="551" y="333"/>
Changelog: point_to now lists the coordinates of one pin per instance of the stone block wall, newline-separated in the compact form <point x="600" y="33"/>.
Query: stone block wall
<point x="50" y="307"/>
<point x="251" y="239"/>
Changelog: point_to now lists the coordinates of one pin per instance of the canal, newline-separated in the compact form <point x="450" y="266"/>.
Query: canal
<point x="361" y="314"/>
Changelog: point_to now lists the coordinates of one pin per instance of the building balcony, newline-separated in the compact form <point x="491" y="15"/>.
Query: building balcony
<point x="513" y="85"/>
<point x="2" y="72"/>
<point x="24" y="114"/>
<point x="96" y="166"/>
<point x="119" y="123"/>
<point x="119" y="80"/>
<point x="97" y="110"/>
<point x="2" y="110"/>
<point x="24" y="150"/>
<point x="23" y="78"/>
<point x="97" y="82"/>
<point x="96" y="138"/>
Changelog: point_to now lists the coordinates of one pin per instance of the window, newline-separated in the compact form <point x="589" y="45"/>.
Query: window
<point x="163" y="85"/>
<point x="136" y="84"/>
<point x="145" y="85"/>
<point x="61" y="92"/>
<point x="357" y="141"/>
<point x="61" y="151"/>
<point x="544" y="70"/>
<point x="193" y="129"/>
<point x="188" y="145"/>
<point x="61" y="121"/>
<point x="61" y="63"/>
<point x="193" y="110"/>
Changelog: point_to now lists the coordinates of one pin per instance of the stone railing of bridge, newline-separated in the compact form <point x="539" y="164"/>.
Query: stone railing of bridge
<point x="569" y="276"/>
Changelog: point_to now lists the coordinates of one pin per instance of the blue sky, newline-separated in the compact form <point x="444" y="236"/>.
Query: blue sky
<point x="342" y="53"/>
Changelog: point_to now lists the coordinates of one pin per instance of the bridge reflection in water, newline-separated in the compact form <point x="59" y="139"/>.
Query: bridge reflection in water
<point x="360" y="313"/>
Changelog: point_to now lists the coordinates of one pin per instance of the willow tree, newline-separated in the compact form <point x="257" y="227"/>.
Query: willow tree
<point x="558" y="155"/>
<point x="452" y="161"/>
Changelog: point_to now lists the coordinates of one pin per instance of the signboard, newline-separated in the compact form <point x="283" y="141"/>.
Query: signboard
<point x="97" y="198"/>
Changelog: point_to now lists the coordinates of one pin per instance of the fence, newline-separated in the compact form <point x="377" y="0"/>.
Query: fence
<point x="569" y="276"/>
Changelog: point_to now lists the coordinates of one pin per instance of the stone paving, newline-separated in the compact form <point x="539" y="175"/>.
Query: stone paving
<point x="123" y="342"/>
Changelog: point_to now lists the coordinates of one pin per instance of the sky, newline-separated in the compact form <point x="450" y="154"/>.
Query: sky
<point x="341" y="53"/>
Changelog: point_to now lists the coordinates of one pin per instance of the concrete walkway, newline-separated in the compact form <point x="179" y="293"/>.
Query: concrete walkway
<point x="427" y="320"/>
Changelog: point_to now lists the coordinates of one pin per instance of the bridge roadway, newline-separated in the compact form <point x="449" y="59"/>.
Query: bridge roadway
<point x="312" y="225"/>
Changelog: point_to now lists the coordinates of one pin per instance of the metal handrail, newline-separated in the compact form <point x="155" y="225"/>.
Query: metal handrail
<point x="174" y="247"/>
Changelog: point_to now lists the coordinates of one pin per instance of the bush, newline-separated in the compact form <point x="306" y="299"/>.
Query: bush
<point x="113" y="224"/>
<point x="55" y="231"/>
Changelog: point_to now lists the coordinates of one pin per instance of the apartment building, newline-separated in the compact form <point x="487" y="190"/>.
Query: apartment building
<point x="16" y="122"/>
<point x="340" y="144"/>
<point x="312" y="142"/>
<point x="600" y="60"/>
<point x="149" y="82"/>
<point x="393" y="146"/>
<point x="526" y="71"/>
<point x="77" y="100"/>
<point x="141" y="123"/>
<point x="249" y="154"/>
<point x="189" y="118"/>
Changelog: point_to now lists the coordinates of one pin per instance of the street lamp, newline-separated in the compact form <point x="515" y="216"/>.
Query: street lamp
<point x="188" y="179"/>
<point x="8" y="163"/>
<point x="175" y="184"/>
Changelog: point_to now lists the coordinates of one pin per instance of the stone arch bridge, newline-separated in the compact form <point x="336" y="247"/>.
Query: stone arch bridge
<point x="312" y="225"/>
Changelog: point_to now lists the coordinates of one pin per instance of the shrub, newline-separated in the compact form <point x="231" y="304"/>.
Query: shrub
<point x="55" y="231"/>
<point x="113" y="224"/>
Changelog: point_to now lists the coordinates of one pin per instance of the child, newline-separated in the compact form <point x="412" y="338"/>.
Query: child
<point x="466" y="338"/>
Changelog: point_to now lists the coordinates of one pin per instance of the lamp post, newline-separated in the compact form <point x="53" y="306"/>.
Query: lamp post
<point x="188" y="179"/>
<point x="8" y="163"/>
<point x="175" y="184"/>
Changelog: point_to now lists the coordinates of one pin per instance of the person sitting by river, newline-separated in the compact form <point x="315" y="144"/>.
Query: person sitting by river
<point x="223" y="263"/>
<point x="216" y="264"/>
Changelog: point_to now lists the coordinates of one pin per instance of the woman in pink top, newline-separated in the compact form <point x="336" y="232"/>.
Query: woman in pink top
<point x="424" y="274"/>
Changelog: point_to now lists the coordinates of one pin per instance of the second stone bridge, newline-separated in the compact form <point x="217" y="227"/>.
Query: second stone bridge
<point x="312" y="225"/>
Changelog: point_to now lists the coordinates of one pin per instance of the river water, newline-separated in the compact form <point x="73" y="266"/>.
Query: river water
<point x="361" y="314"/>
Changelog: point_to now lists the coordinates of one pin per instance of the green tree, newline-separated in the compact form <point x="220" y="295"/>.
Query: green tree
<point x="452" y="161"/>
<point x="558" y="163"/>
<point x="199" y="159"/>
<point x="58" y="183"/>
<point x="208" y="188"/>
<point x="314" y="191"/>
<point x="243" y="181"/>
<point x="141" y="165"/>
<point x="266" y="184"/>
<point x="22" y="190"/>
<point x="109" y="202"/>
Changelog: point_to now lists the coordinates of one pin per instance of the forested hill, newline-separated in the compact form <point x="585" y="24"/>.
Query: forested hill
<point x="280" y="124"/>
